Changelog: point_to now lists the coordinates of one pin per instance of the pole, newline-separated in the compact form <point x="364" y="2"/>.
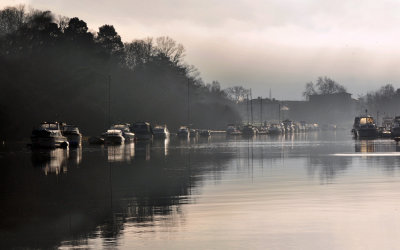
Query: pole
<point x="109" y="100"/>
<point x="261" y="120"/>
<point x="251" y="106"/>
<point x="188" y="104"/>
<point x="279" y="112"/>
<point x="247" y="109"/>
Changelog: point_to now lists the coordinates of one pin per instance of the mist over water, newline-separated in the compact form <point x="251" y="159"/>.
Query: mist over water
<point x="310" y="191"/>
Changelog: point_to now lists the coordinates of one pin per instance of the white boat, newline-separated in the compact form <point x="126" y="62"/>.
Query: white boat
<point x="113" y="136"/>
<point x="48" y="135"/>
<point x="160" y="132"/>
<point x="126" y="132"/>
<point x="73" y="135"/>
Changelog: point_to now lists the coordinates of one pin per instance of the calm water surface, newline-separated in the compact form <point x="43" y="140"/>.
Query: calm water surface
<point x="308" y="191"/>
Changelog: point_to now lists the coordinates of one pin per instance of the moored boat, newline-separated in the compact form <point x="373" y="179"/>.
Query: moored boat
<point x="48" y="135"/>
<point x="249" y="130"/>
<point x="205" y="133"/>
<point x="113" y="136"/>
<point x="126" y="132"/>
<point x="275" y="129"/>
<point x="193" y="133"/>
<point x="160" y="132"/>
<point x="395" y="129"/>
<point x="183" y="132"/>
<point x="232" y="130"/>
<point x="142" y="130"/>
<point x="364" y="127"/>
<point x="73" y="135"/>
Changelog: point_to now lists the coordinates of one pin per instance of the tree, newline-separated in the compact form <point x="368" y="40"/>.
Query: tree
<point x="328" y="86"/>
<point x="324" y="86"/>
<point x="310" y="90"/>
<point x="11" y="19"/>
<point x="77" y="31"/>
<point x="167" y="47"/>
<point x="138" y="52"/>
<point x="109" y="40"/>
<point x="237" y="93"/>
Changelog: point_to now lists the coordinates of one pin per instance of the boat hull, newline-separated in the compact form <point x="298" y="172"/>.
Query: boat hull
<point x="114" y="139"/>
<point x="161" y="135"/>
<point x="143" y="136"/>
<point x="49" y="142"/>
<point x="395" y="132"/>
<point x="367" y="133"/>
<point x="74" y="140"/>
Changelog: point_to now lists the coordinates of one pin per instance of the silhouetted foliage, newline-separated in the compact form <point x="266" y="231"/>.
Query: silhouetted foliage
<point x="237" y="93"/>
<point x="55" y="69"/>
<point x="386" y="100"/>
<point x="323" y="86"/>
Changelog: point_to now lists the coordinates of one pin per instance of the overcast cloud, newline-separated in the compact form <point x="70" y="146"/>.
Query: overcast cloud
<point x="262" y="44"/>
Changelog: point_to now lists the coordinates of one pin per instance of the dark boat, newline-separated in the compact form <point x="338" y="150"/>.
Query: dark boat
<point x="205" y="133"/>
<point x="395" y="129"/>
<point x="249" y="130"/>
<point x="183" y="132"/>
<point x="232" y="130"/>
<point x="161" y="132"/>
<point x="142" y="130"/>
<point x="364" y="127"/>
<point x="73" y="135"/>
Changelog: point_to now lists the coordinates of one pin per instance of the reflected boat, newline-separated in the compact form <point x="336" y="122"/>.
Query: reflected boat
<point x="121" y="153"/>
<point x="50" y="160"/>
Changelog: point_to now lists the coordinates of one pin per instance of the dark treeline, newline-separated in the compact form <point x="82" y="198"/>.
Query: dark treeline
<point x="56" y="69"/>
<point x="385" y="100"/>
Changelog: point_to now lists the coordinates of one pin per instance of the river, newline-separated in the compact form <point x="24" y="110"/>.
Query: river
<point x="320" y="190"/>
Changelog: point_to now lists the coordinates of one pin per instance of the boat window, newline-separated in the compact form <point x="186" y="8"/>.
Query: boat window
<point x="50" y="126"/>
<point x="366" y="120"/>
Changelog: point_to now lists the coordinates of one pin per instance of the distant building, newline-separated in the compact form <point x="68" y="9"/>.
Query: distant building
<point x="337" y="109"/>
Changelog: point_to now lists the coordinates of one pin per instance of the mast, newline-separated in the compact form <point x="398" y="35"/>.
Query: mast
<point x="251" y="106"/>
<point x="261" y="120"/>
<point x="247" y="109"/>
<point x="109" y="100"/>
<point x="188" y="104"/>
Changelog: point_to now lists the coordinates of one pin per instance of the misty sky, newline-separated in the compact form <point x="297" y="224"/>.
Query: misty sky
<point x="262" y="44"/>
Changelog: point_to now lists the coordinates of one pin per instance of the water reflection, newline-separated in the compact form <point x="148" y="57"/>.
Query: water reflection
<point x="364" y="146"/>
<point x="121" y="153"/>
<point x="142" y="150"/>
<point x="161" y="145"/>
<point x="51" y="160"/>
<point x="174" y="189"/>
